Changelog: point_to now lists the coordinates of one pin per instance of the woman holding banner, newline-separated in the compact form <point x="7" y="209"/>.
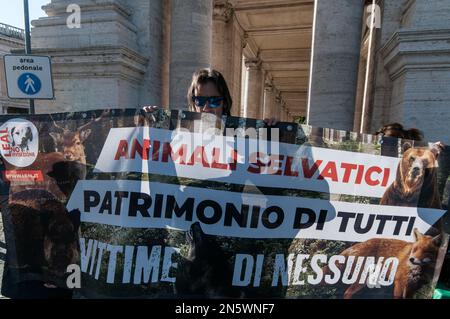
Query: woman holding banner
<point x="209" y="93"/>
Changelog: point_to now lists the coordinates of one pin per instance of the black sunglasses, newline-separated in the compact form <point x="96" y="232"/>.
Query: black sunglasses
<point x="213" y="101"/>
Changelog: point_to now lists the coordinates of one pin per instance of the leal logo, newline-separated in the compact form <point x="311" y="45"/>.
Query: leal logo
<point x="19" y="142"/>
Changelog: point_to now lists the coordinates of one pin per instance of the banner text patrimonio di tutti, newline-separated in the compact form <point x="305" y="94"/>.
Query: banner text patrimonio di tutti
<point x="193" y="205"/>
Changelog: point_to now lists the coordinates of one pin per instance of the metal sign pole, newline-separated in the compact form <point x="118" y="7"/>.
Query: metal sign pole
<point x="28" y="41"/>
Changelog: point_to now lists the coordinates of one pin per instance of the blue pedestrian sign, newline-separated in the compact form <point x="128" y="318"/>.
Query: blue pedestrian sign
<point x="29" y="83"/>
<point x="28" y="77"/>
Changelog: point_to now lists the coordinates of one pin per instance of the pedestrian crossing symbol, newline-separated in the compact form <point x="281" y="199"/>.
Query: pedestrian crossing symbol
<point x="28" y="77"/>
<point x="29" y="83"/>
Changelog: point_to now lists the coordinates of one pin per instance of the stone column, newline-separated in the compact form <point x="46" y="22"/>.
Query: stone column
<point x="269" y="99"/>
<point x="254" y="97"/>
<point x="221" y="37"/>
<point x="149" y="19"/>
<point x="227" y="49"/>
<point x="390" y="22"/>
<point x="285" y="111"/>
<point x="275" y="103"/>
<point x="335" y="63"/>
<point x="288" y="116"/>
<point x="165" y="75"/>
<point x="417" y="58"/>
<point x="190" y="50"/>
<point x="279" y="113"/>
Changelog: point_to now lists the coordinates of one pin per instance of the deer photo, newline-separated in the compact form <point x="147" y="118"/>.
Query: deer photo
<point x="63" y="168"/>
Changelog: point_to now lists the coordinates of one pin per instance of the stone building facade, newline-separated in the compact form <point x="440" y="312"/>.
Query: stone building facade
<point x="281" y="58"/>
<point x="11" y="38"/>
<point x="140" y="52"/>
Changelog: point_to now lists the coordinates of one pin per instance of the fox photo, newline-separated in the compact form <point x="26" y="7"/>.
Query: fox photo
<point x="225" y="156"/>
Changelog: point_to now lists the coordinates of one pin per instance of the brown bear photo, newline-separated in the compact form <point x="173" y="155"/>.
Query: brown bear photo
<point x="415" y="184"/>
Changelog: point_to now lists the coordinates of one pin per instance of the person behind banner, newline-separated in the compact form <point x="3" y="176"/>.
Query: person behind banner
<point x="390" y="135"/>
<point x="208" y="93"/>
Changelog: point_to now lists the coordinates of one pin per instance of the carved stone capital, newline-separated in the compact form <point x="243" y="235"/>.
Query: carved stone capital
<point x="252" y="63"/>
<point x="268" y="84"/>
<point x="278" y="100"/>
<point x="243" y="43"/>
<point x="223" y="10"/>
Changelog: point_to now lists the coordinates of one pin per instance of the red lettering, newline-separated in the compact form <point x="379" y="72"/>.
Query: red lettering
<point x="179" y="154"/>
<point x="216" y="157"/>
<point x="234" y="155"/>
<point x="329" y="171"/>
<point x="359" y="175"/>
<point x="122" y="150"/>
<point x="387" y="171"/>
<point x="368" y="177"/>
<point x="254" y="160"/>
<point x="23" y="176"/>
<point x="288" y="169"/>
<point x="4" y="138"/>
<point x="199" y="156"/>
<point x="348" y="171"/>
<point x="275" y="165"/>
<point x="307" y="171"/>
<point x="142" y="150"/>
<point x="155" y="151"/>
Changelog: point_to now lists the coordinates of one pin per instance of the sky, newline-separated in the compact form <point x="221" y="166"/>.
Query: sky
<point x="11" y="11"/>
